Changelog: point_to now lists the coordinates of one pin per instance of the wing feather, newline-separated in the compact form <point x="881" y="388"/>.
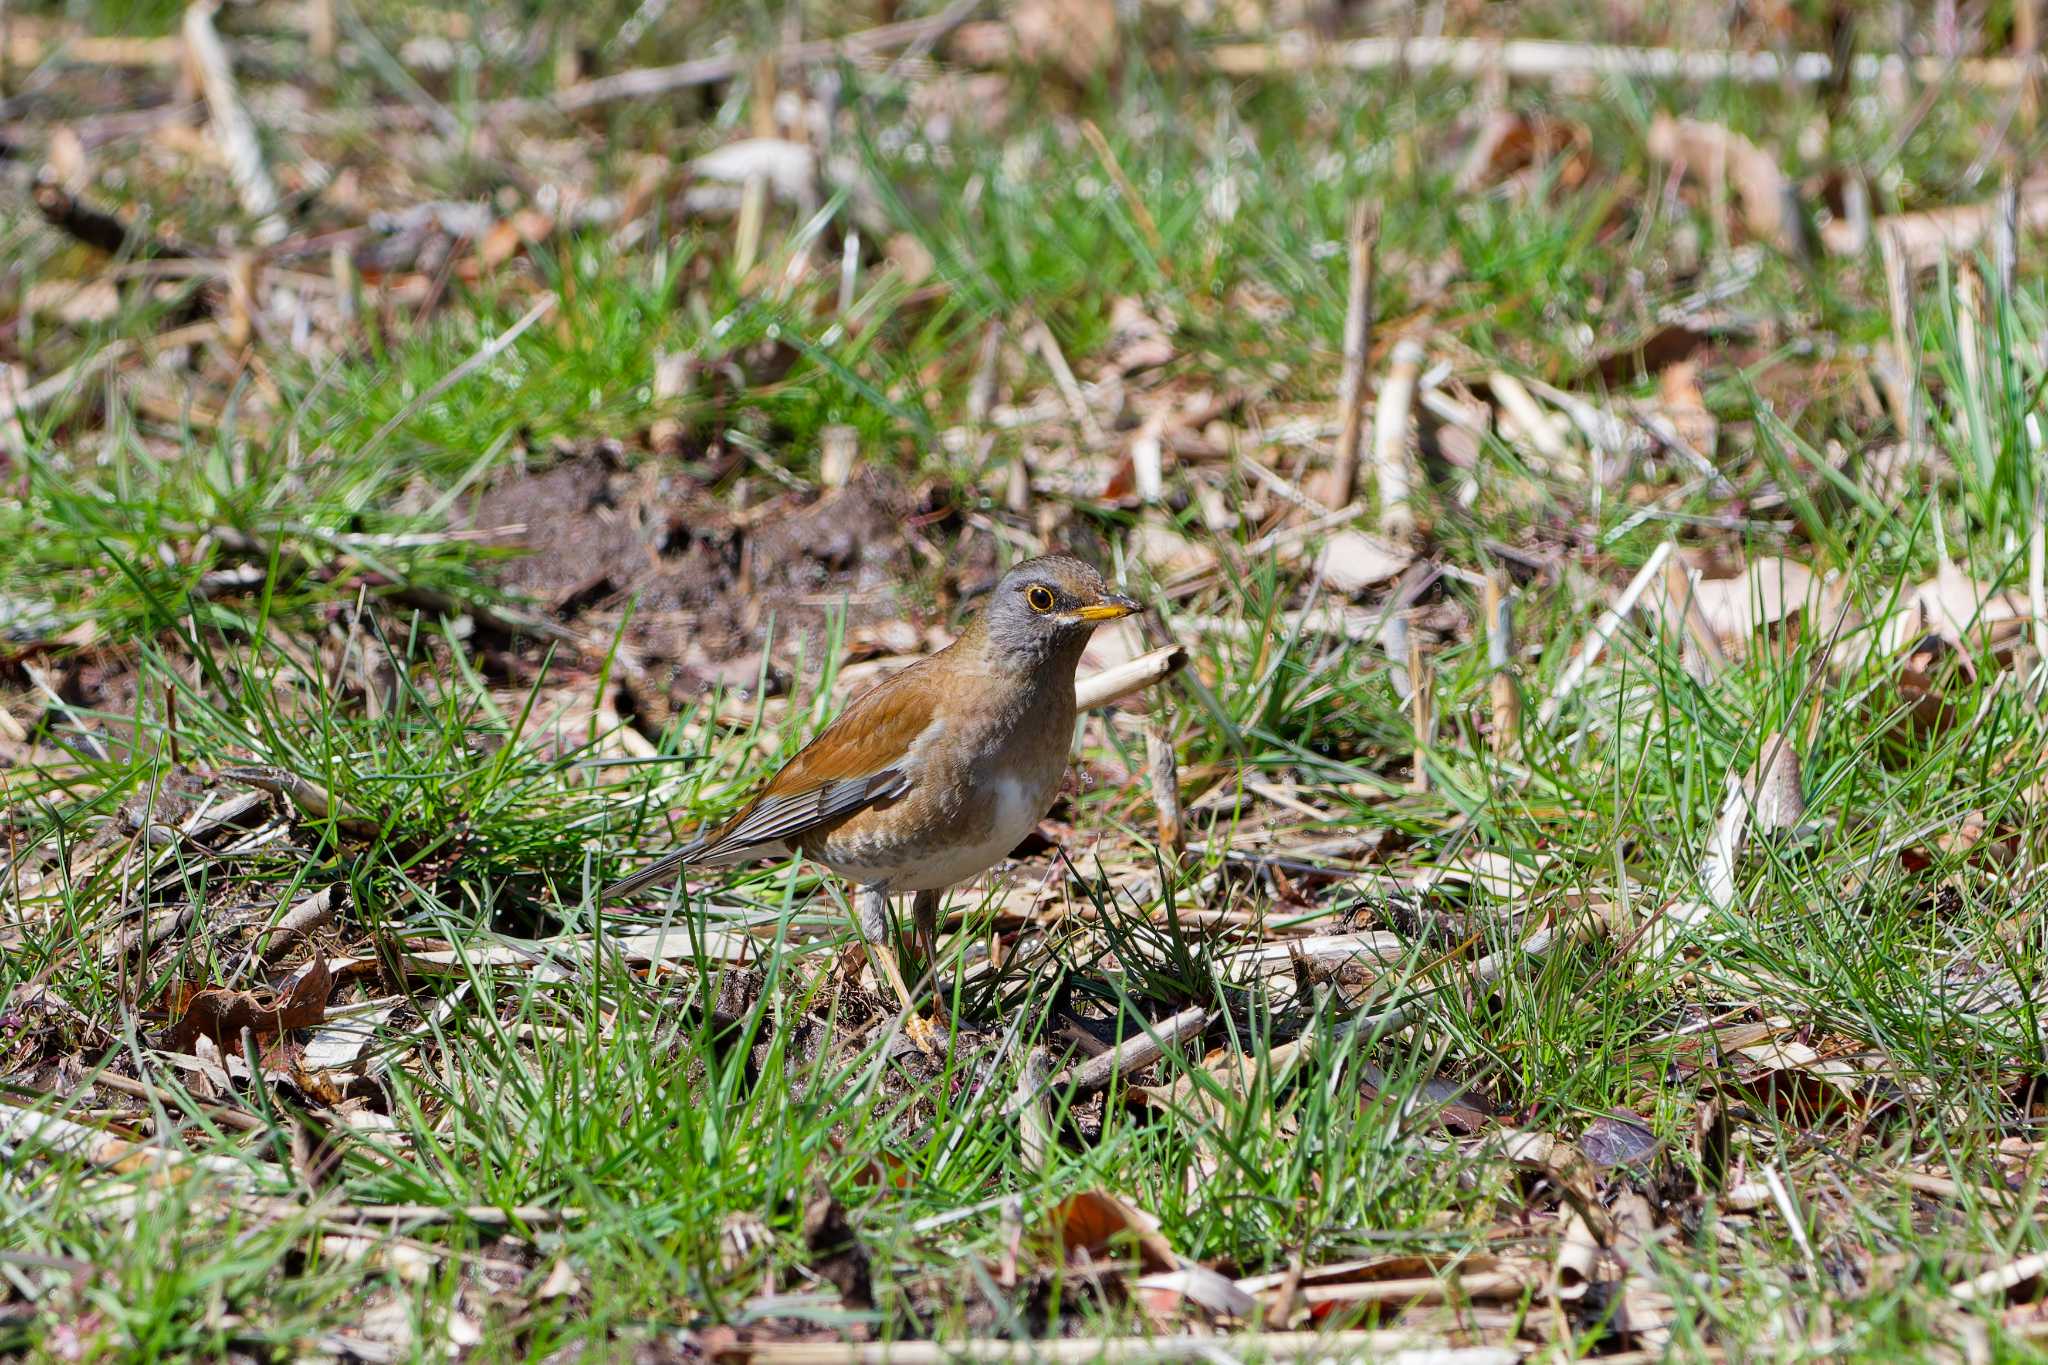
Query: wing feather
<point x="866" y="756"/>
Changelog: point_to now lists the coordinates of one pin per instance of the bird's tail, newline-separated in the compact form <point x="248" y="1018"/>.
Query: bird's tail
<point x="658" y="871"/>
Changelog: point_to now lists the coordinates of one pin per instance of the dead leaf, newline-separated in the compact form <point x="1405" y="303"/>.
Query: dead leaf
<point x="1511" y="141"/>
<point x="1969" y="615"/>
<point x="1775" y="786"/>
<point x="1352" y="561"/>
<point x="1103" y="1225"/>
<point x="1769" y="591"/>
<point x="220" y="1015"/>
<point x="1619" y="1139"/>
<point x="1078" y="37"/>
<point x="1683" y="405"/>
<point x="1136" y="339"/>
<point x="1712" y="152"/>
<point x="1166" y="1294"/>
<point x="1925" y="239"/>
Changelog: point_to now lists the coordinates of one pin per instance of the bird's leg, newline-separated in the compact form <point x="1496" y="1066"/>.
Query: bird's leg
<point x="924" y="916"/>
<point x="871" y="921"/>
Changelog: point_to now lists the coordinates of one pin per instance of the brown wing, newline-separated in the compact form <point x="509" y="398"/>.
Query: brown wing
<point x="854" y="762"/>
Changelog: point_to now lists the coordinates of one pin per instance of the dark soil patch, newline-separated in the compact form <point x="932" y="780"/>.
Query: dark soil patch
<point x="706" y="589"/>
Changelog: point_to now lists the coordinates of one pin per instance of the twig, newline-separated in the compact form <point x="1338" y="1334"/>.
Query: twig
<point x="1164" y="768"/>
<point x="240" y="1120"/>
<point x="1132" y="676"/>
<point x="1421" y="699"/>
<point x="1539" y="59"/>
<point x="1390" y="458"/>
<point x="1500" y="661"/>
<point x="1137" y="1052"/>
<point x="42" y="393"/>
<point x="301" y="920"/>
<point x="1602" y="631"/>
<point x="1365" y="232"/>
<point x="232" y="127"/>
<point x="1532" y="421"/>
<point x="1069" y="387"/>
<point x="654" y="82"/>
<point x="1392" y="1343"/>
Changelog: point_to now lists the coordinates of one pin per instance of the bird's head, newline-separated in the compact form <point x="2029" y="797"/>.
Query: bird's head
<point x="1049" y="605"/>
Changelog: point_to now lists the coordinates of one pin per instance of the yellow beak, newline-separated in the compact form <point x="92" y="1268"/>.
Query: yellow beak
<point x="1114" y="606"/>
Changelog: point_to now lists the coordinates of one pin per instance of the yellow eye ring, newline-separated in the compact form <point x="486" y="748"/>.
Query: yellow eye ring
<point x="1041" y="599"/>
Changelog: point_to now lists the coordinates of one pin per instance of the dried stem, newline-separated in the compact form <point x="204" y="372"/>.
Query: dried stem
<point x="1390" y="458"/>
<point x="1365" y="232"/>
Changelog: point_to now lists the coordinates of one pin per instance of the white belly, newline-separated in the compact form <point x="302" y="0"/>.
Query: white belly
<point x="1018" y="807"/>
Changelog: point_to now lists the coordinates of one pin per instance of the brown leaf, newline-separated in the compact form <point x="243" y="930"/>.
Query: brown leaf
<point x="1079" y="37"/>
<point x="1352" y="561"/>
<point x="1710" y="151"/>
<point x="1618" y="1139"/>
<point x="1099" y="1223"/>
<point x="1775" y="786"/>
<point x="1769" y="591"/>
<point x="1136" y="339"/>
<point x="1511" y="141"/>
<point x="1967" y="614"/>
<point x="220" y="1015"/>
<point x="1166" y="1294"/>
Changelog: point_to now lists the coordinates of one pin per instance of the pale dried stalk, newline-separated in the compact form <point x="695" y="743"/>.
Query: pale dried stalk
<point x="1540" y="59"/>
<point x="1034" y="1121"/>
<point x="1069" y="387"/>
<point x="1390" y="459"/>
<point x="1138" y="1051"/>
<point x="1602" y="631"/>
<point x="1421" y="701"/>
<point x="1365" y="231"/>
<point x="1164" y="767"/>
<point x="1533" y="422"/>
<point x="1126" y="679"/>
<point x="232" y="127"/>
<point x="1410" y="1347"/>
<point x="1903" y="382"/>
<point x="1970" y="327"/>
<point x="1500" y="658"/>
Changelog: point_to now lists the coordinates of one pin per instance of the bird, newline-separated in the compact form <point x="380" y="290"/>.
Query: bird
<point x="937" y="772"/>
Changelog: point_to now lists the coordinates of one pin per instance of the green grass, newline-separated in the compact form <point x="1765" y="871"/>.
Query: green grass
<point x="603" y="1158"/>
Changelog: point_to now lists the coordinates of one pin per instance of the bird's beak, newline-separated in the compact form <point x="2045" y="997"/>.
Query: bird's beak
<point x="1114" y="606"/>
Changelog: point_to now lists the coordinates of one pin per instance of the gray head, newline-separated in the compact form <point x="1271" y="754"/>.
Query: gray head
<point x="1046" y="608"/>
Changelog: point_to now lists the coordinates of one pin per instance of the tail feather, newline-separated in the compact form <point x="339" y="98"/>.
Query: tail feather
<point x="696" y="853"/>
<point x="659" y="870"/>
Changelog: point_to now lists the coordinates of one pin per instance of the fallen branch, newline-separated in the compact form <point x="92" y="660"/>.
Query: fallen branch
<point x="1138" y="1051"/>
<point x="232" y="127"/>
<point x="1390" y="441"/>
<point x="1353" y="1345"/>
<point x="1541" y="59"/>
<point x="1114" y="684"/>
<point x="654" y="82"/>
<point x="1365" y="232"/>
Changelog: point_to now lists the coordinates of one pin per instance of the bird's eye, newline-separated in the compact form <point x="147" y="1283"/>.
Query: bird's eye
<point x="1040" y="598"/>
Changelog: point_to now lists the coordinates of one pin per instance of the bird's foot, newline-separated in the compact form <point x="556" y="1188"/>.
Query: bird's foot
<point x="928" y="1035"/>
